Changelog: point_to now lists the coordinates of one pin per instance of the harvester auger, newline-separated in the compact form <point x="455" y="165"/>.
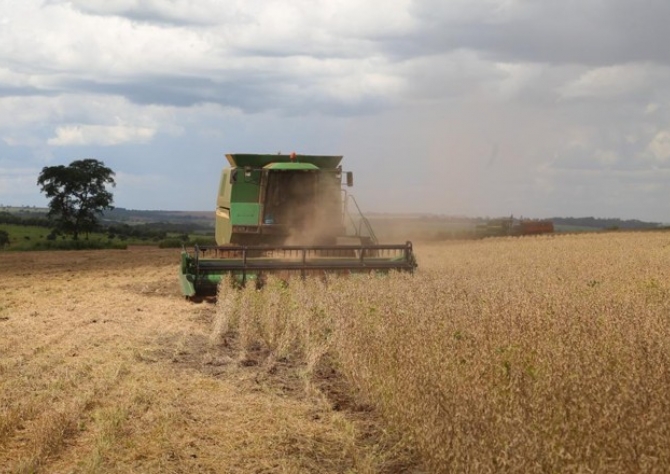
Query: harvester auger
<point x="287" y="215"/>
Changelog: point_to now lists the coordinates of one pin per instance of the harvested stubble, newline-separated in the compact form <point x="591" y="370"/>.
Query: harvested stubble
<point x="548" y="354"/>
<point x="105" y="368"/>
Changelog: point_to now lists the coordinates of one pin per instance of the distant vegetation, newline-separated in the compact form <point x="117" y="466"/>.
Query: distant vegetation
<point x="598" y="223"/>
<point x="31" y="229"/>
<point x="197" y="220"/>
<point x="31" y="219"/>
<point x="176" y="228"/>
<point x="389" y="227"/>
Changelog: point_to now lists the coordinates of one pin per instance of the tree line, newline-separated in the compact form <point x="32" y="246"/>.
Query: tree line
<point x="605" y="223"/>
<point x="13" y="219"/>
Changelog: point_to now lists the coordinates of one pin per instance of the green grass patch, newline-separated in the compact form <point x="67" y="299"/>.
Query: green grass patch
<point x="19" y="234"/>
<point x="24" y="238"/>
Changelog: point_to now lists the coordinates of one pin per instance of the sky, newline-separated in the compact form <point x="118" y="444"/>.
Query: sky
<point x="536" y="108"/>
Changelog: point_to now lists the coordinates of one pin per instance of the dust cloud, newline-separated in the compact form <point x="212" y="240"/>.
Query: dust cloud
<point x="318" y="222"/>
<point x="307" y="206"/>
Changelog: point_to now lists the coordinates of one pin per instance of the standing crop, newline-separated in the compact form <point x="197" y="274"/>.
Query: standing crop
<point x="515" y="355"/>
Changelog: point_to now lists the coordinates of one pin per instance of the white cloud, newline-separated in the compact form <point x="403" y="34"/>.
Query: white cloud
<point x="611" y="81"/>
<point x="651" y="108"/>
<point x="82" y="119"/>
<point x="61" y="43"/>
<point x="659" y="147"/>
<point x="17" y="182"/>
<point x="78" y="135"/>
<point x="280" y="19"/>
<point x="199" y="11"/>
<point x="10" y="78"/>
<point x="606" y="157"/>
<point x="456" y="12"/>
<point x="456" y="73"/>
<point x="517" y="77"/>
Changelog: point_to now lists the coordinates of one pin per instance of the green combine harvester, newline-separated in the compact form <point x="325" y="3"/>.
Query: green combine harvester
<point x="287" y="215"/>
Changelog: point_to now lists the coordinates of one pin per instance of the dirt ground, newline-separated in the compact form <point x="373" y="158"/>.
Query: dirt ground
<point x="104" y="367"/>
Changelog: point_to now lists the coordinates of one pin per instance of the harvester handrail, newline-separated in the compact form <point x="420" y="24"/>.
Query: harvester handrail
<point x="363" y="220"/>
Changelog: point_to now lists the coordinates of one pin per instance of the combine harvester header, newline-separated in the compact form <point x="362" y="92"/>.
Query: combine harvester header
<point x="287" y="215"/>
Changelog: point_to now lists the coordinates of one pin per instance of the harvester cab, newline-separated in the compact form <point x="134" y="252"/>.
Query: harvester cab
<point x="287" y="214"/>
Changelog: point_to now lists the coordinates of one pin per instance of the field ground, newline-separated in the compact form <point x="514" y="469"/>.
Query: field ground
<point x="541" y="354"/>
<point x="105" y="368"/>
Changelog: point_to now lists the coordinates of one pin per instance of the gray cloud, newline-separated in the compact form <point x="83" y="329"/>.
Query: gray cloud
<point x="26" y="91"/>
<point x="593" y="33"/>
<point x="177" y="13"/>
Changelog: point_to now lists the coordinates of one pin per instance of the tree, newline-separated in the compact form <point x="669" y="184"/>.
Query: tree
<point x="4" y="238"/>
<point x="78" y="194"/>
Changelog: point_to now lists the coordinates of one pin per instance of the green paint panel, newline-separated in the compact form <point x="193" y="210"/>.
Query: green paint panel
<point x="246" y="191"/>
<point x="243" y="213"/>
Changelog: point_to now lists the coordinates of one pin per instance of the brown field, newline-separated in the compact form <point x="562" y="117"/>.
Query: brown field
<point x="546" y="354"/>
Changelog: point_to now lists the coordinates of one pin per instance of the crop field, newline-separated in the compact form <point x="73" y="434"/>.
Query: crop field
<point x="544" y="354"/>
